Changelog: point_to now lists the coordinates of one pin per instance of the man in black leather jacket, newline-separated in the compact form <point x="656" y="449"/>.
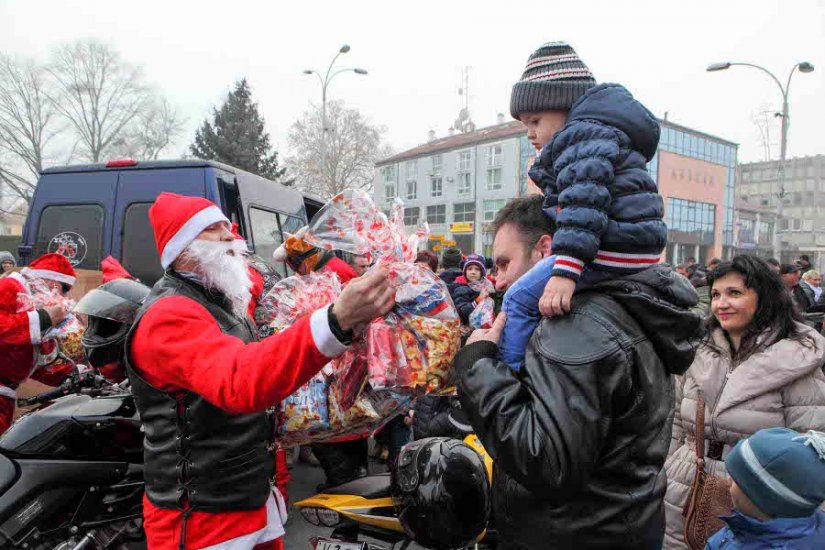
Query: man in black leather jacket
<point x="579" y="436"/>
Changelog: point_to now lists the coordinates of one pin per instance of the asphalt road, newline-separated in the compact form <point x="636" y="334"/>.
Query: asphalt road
<point x="305" y="479"/>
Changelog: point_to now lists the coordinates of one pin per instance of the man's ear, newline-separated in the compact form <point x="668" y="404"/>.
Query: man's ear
<point x="545" y="245"/>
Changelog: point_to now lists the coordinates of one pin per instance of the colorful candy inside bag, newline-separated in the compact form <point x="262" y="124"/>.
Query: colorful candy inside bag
<point x="483" y="315"/>
<point x="306" y="410"/>
<point x="68" y="335"/>
<point x="297" y="296"/>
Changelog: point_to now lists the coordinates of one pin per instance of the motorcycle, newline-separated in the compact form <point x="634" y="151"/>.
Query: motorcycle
<point x="364" y="507"/>
<point x="71" y="470"/>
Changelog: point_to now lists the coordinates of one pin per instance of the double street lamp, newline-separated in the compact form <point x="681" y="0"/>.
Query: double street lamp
<point x="804" y="67"/>
<point x="325" y="81"/>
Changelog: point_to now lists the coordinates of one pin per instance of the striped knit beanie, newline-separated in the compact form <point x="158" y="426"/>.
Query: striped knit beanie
<point x="553" y="80"/>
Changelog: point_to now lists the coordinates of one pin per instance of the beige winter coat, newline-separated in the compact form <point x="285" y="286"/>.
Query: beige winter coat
<point x="780" y="385"/>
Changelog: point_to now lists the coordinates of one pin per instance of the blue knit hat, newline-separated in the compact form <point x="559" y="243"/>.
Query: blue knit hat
<point x="781" y="471"/>
<point x="477" y="260"/>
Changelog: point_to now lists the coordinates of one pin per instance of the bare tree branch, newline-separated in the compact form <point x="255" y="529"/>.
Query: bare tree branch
<point x="28" y="123"/>
<point x="154" y="130"/>
<point x="98" y="93"/>
<point x="344" y="160"/>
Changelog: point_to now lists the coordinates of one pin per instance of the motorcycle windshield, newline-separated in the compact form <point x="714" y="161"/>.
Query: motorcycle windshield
<point x="117" y="301"/>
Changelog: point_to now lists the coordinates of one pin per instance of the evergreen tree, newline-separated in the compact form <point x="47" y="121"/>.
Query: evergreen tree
<point x="236" y="136"/>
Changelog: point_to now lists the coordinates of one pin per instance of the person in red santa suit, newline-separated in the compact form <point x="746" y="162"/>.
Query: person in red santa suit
<point x="21" y="331"/>
<point x="202" y="383"/>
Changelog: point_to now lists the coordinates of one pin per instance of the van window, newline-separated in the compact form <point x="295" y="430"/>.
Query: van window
<point x="74" y="230"/>
<point x="266" y="233"/>
<point x="140" y="255"/>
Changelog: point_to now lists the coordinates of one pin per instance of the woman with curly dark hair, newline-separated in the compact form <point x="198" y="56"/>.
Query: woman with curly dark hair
<point x="758" y="367"/>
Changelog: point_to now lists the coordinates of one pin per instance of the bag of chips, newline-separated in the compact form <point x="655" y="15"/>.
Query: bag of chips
<point x="306" y="411"/>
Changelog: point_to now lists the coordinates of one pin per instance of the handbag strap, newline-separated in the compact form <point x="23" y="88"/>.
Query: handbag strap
<point x="700" y="427"/>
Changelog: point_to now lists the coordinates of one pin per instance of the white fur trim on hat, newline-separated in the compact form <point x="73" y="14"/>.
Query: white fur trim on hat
<point x="189" y="232"/>
<point x="52" y="276"/>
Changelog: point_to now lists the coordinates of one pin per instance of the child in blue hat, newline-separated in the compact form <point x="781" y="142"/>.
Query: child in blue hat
<point x="778" y="487"/>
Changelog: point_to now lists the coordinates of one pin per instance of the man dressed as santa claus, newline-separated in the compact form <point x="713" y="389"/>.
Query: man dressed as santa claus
<point x="202" y="383"/>
<point x="22" y="329"/>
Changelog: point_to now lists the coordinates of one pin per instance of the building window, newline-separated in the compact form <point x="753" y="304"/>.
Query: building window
<point x="412" y="215"/>
<point x="412" y="190"/>
<point x="465" y="185"/>
<point x="465" y="161"/>
<point x="692" y="217"/>
<point x="389" y="174"/>
<point x="436" y="186"/>
<point x="491" y="208"/>
<point x="412" y="170"/>
<point x="494" y="156"/>
<point x="464" y="212"/>
<point x="437" y="214"/>
<point x="437" y="163"/>
<point x="493" y="179"/>
<point x="389" y="191"/>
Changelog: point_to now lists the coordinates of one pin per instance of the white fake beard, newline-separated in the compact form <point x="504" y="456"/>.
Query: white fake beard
<point x="222" y="272"/>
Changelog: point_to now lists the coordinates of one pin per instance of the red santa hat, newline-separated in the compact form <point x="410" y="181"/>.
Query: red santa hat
<point x="178" y="220"/>
<point x="112" y="269"/>
<point x="53" y="267"/>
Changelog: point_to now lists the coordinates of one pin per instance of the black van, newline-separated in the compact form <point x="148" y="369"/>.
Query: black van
<point x="87" y="212"/>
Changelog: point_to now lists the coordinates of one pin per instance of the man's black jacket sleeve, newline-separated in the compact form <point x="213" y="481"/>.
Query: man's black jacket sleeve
<point x="546" y="425"/>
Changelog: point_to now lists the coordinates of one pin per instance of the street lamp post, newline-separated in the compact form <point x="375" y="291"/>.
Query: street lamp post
<point x="325" y="81"/>
<point x="804" y="67"/>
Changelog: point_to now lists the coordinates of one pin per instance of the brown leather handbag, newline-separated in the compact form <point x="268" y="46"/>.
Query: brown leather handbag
<point x="709" y="497"/>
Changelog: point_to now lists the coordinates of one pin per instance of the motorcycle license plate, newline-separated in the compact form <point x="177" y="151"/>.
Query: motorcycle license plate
<point x="329" y="544"/>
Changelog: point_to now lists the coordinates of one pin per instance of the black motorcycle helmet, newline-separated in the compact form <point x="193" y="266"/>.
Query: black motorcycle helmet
<point x="111" y="309"/>
<point x="442" y="492"/>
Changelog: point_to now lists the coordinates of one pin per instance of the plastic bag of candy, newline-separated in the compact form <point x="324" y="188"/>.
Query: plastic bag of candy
<point x="306" y="411"/>
<point x="483" y="315"/>
<point x="296" y="296"/>
<point x="400" y="354"/>
<point x="67" y="335"/>
<point x="39" y="295"/>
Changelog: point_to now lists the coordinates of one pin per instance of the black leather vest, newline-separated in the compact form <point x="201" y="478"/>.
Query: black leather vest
<point x="193" y="451"/>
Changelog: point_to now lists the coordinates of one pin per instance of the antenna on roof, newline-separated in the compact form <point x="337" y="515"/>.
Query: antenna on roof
<point x="464" y="123"/>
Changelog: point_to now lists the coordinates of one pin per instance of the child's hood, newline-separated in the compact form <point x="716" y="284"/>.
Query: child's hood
<point x="614" y="105"/>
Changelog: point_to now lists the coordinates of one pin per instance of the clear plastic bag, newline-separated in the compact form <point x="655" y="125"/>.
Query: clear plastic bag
<point x="297" y="296"/>
<point x="394" y="359"/>
<point x="483" y="315"/>
<point x="68" y="335"/>
<point x="306" y="411"/>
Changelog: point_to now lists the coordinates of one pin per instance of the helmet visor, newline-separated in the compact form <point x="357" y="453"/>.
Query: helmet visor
<point x="114" y="302"/>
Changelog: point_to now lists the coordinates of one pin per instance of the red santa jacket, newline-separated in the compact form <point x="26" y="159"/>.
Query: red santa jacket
<point x="179" y="346"/>
<point x="19" y="336"/>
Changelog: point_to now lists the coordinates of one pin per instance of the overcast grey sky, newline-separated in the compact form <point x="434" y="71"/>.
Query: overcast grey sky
<point x="194" y="50"/>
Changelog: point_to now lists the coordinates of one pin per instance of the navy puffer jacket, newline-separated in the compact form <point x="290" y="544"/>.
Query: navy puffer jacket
<point x="606" y="207"/>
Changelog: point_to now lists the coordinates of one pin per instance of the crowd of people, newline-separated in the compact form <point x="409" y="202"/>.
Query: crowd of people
<point x="609" y="389"/>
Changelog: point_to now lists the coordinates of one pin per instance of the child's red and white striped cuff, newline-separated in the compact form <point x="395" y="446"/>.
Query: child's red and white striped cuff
<point x="568" y="266"/>
<point x="620" y="260"/>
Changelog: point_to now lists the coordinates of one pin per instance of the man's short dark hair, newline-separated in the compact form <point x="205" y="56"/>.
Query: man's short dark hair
<point x="773" y="261"/>
<point x="805" y="258"/>
<point x="527" y="214"/>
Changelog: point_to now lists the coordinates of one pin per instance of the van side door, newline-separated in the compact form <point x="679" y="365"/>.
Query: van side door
<point x="133" y="239"/>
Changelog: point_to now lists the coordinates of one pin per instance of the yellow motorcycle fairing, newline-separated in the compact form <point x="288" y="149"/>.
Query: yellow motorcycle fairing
<point x="378" y="512"/>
